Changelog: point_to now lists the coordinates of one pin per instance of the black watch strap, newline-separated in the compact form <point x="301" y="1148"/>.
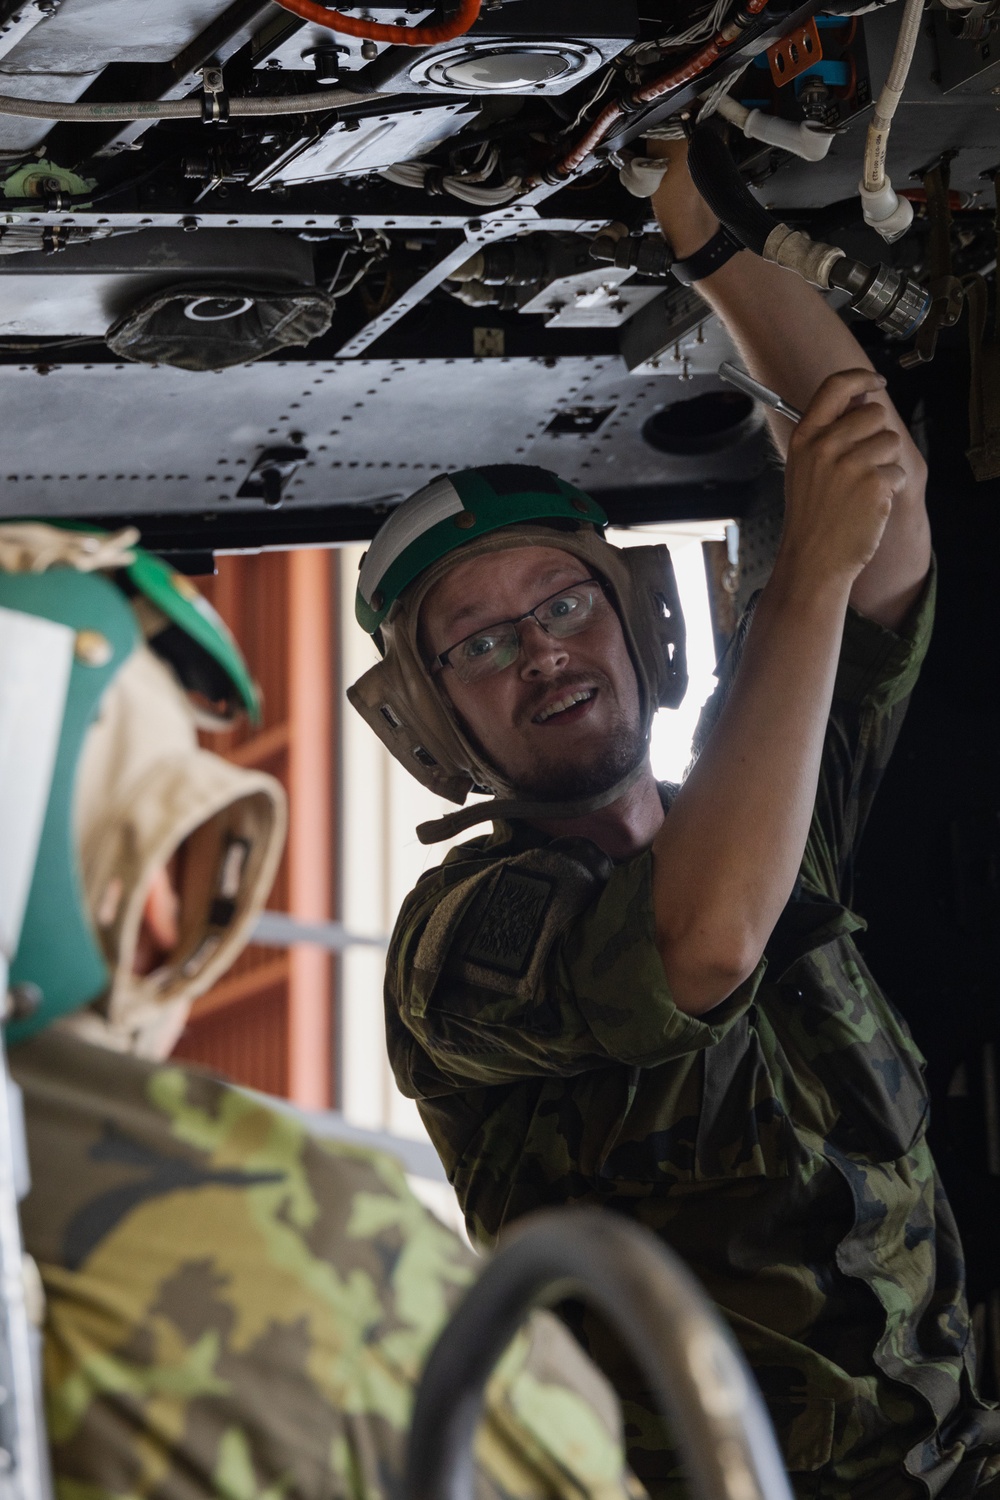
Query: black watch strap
<point x="721" y="247"/>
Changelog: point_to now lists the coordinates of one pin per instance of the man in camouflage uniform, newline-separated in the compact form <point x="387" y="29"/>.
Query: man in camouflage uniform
<point x="651" y="998"/>
<point x="233" y="1308"/>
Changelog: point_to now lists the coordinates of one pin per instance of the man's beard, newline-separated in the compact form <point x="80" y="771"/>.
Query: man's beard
<point x="590" y="772"/>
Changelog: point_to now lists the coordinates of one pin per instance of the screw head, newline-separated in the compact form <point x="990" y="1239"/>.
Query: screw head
<point x="24" y="1000"/>
<point x="92" y="649"/>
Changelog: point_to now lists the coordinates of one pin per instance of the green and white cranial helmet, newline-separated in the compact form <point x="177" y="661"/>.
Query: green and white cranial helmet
<point x="131" y="788"/>
<point x="465" y="515"/>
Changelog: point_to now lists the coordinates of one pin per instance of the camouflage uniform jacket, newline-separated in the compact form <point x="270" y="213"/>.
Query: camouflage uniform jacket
<point x="777" y="1142"/>
<point x="237" y="1308"/>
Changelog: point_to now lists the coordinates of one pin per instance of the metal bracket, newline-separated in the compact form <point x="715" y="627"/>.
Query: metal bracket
<point x="271" y="474"/>
<point x="946" y="291"/>
<point x="214" y="99"/>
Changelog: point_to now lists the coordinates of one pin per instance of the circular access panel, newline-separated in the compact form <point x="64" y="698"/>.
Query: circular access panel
<point x="702" y="424"/>
<point x="514" y="67"/>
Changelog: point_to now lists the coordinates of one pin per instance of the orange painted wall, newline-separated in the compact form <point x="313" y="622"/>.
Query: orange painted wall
<point x="269" y="1023"/>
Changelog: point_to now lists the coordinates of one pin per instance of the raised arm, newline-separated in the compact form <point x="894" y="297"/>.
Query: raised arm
<point x="791" y="339"/>
<point x="727" y="856"/>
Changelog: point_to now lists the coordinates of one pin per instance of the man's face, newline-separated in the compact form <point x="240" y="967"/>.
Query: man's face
<point x="563" y="720"/>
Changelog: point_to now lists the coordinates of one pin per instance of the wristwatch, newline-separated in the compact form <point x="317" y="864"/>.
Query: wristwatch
<point x="721" y="247"/>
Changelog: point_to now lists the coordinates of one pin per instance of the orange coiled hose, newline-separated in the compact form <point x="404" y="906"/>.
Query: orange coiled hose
<point x="374" y="31"/>
<point x="695" y="64"/>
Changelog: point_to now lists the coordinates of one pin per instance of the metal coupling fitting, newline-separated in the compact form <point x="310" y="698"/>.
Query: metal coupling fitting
<point x="893" y="301"/>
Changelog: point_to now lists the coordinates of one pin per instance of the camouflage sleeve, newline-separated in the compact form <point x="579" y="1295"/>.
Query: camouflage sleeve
<point x="877" y="672"/>
<point x="543" y="963"/>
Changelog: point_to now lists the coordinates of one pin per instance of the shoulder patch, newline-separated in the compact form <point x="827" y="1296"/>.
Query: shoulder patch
<point x="487" y="940"/>
<point x="503" y="938"/>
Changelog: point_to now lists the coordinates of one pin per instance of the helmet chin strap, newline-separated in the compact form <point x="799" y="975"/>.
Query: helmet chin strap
<point x="499" y="809"/>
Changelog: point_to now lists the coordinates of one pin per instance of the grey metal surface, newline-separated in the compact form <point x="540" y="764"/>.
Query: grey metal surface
<point x="18" y="135"/>
<point x="16" y="28"/>
<point x="84" y="35"/>
<point x="939" y="111"/>
<point x="247" y="212"/>
<point x="86" y="287"/>
<point x="603" y="297"/>
<point x="366" y="145"/>
<point x="282" y="46"/>
<point x="132" y="439"/>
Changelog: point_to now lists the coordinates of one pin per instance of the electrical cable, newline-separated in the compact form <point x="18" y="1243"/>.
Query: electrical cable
<point x="414" y="174"/>
<point x="374" y="31"/>
<point x="185" y="109"/>
<point x="664" y="83"/>
<point x="698" y="31"/>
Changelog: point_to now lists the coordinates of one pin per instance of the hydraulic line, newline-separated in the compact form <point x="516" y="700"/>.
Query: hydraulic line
<point x="184" y="109"/>
<point x="374" y="31"/>
<point x="664" y="83"/>
<point x="892" y="300"/>
<point x="883" y="210"/>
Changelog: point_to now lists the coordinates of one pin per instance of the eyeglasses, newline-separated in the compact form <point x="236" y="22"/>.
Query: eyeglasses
<point x="570" y="611"/>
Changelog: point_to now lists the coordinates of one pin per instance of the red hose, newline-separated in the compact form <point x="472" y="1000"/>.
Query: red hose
<point x="374" y="31"/>
<point x="694" y="65"/>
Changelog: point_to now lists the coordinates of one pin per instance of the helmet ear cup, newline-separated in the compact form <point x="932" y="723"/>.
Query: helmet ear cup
<point x="656" y="620"/>
<point x="384" y="697"/>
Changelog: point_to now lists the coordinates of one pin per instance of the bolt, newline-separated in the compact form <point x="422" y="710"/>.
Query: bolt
<point x="189" y="224"/>
<point x="23" y="1000"/>
<point x="475" y="226"/>
<point x="92" y="649"/>
<point x="369" y="51"/>
<point x="345" y="223"/>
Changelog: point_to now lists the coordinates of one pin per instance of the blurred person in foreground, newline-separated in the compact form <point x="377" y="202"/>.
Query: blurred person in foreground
<point x="233" y="1306"/>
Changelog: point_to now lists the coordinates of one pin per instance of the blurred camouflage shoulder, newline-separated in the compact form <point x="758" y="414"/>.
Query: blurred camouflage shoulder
<point x="238" y="1308"/>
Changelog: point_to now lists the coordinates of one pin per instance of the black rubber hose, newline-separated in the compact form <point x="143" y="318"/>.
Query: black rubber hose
<point x="718" y="180"/>
<point x="640" y="1288"/>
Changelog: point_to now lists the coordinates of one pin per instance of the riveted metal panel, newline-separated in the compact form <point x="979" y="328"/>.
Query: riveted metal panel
<point x="133" y="439"/>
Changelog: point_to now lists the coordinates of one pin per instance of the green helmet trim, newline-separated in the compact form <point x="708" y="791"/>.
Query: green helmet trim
<point x="185" y="606"/>
<point x="58" y="950"/>
<point x="461" y="507"/>
<point x="188" y="608"/>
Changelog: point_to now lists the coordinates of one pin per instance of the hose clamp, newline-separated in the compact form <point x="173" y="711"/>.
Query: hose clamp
<point x="214" y="99"/>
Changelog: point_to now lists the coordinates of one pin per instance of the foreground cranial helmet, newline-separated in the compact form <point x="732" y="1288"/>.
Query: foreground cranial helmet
<point x="132" y="791"/>
<point x="465" y="515"/>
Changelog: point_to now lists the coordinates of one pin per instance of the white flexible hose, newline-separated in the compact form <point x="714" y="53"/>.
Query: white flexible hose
<point x="183" y="109"/>
<point x="888" y="100"/>
<point x="884" y="211"/>
<point x="798" y="136"/>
